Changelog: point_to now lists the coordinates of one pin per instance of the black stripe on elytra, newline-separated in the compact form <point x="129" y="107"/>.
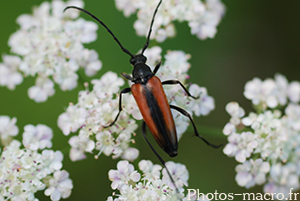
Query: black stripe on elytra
<point x="157" y="117"/>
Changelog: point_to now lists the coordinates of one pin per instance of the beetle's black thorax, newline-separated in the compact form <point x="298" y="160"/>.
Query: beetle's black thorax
<point x="141" y="73"/>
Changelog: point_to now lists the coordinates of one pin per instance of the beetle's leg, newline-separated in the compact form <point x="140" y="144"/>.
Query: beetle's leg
<point x="156" y="67"/>
<point x="183" y="87"/>
<point x="157" y="155"/>
<point x="185" y="113"/>
<point x="126" y="76"/>
<point x="124" y="91"/>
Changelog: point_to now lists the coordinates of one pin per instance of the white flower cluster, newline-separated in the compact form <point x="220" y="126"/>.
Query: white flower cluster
<point x="24" y="171"/>
<point x="49" y="45"/>
<point x="267" y="141"/>
<point x="98" y="107"/>
<point x="95" y="109"/>
<point x="151" y="182"/>
<point x="272" y="92"/>
<point x="203" y="16"/>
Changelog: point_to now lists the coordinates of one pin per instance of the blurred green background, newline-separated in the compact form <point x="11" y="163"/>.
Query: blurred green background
<point x="255" y="39"/>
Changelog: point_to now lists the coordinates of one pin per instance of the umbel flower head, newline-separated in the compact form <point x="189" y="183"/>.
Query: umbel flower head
<point x="203" y="16"/>
<point x="29" y="168"/>
<point x="266" y="141"/>
<point x="98" y="107"/>
<point x="49" y="46"/>
<point x="151" y="182"/>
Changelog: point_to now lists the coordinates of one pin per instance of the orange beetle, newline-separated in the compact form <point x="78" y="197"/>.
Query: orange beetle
<point x="151" y="99"/>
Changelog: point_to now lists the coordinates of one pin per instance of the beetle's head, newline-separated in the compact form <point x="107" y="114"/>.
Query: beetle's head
<point x="139" y="58"/>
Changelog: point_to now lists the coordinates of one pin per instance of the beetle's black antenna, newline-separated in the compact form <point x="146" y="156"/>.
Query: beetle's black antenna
<point x="111" y="33"/>
<point x="150" y="30"/>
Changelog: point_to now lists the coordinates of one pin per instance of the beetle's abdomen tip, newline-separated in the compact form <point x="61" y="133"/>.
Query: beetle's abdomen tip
<point x="173" y="153"/>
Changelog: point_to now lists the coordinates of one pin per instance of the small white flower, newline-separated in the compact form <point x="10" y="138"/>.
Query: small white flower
<point x="91" y="61"/>
<point x="268" y="93"/>
<point x="176" y="66"/>
<point x="86" y="33"/>
<point x="204" y="104"/>
<point x="123" y="141"/>
<point x="293" y="91"/>
<point x="9" y="74"/>
<point x="151" y="171"/>
<point x="109" y="84"/>
<point x="60" y="186"/>
<point x="177" y="63"/>
<point x="204" y="25"/>
<point x="130" y="154"/>
<point x="241" y="145"/>
<point x="52" y="161"/>
<point x="252" y="172"/>
<point x="80" y="144"/>
<point x="251" y="120"/>
<point x="42" y="90"/>
<point x="87" y="99"/>
<point x="292" y="112"/>
<point x="261" y="92"/>
<point x="38" y="137"/>
<point x="178" y="172"/>
<point x="125" y="173"/>
<point x="128" y="6"/>
<point x="229" y="128"/>
<point x="235" y="111"/>
<point x="65" y="75"/>
<point x="105" y="142"/>
<point x="252" y="90"/>
<point x="181" y="123"/>
<point x="8" y="129"/>
<point x="282" y="87"/>
<point x="72" y="119"/>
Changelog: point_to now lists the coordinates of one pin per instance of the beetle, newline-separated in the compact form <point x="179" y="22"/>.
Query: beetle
<point x="151" y="99"/>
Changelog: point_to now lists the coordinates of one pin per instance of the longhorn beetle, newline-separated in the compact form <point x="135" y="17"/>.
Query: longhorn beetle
<point x="150" y="97"/>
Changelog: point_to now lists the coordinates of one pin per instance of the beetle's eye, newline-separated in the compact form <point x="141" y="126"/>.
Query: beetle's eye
<point x="132" y="60"/>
